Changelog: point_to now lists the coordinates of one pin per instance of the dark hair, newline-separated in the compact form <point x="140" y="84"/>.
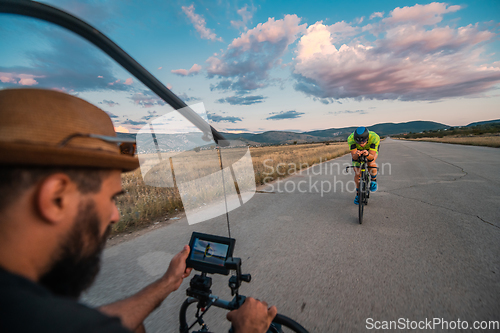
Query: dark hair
<point x="15" y="180"/>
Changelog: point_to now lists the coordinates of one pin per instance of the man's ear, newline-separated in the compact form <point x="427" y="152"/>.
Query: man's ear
<point x="56" y="198"/>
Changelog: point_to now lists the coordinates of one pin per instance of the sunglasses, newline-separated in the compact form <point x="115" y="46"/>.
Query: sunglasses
<point x="127" y="146"/>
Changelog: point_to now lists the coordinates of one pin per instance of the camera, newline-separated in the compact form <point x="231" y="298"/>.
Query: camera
<point x="209" y="253"/>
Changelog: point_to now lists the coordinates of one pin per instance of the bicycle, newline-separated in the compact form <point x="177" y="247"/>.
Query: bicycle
<point x="364" y="184"/>
<point x="199" y="292"/>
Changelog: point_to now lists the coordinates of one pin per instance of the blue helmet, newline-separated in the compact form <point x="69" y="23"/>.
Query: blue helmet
<point x="361" y="134"/>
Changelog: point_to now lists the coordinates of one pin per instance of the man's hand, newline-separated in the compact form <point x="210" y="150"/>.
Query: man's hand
<point x="359" y="153"/>
<point x="252" y="317"/>
<point x="177" y="270"/>
<point x="134" y="309"/>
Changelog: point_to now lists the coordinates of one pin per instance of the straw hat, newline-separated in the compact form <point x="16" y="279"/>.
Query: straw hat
<point x="34" y="122"/>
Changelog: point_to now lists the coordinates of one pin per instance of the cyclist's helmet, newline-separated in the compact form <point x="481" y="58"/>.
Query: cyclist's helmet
<point x="361" y="134"/>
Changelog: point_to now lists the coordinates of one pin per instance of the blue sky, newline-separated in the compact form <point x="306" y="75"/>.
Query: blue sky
<point x="276" y="65"/>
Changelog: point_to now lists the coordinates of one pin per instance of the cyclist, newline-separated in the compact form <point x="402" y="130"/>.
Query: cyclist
<point x="364" y="142"/>
<point x="58" y="186"/>
<point x="207" y="251"/>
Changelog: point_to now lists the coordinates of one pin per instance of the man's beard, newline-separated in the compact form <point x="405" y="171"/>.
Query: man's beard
<point x="78" y="260"/>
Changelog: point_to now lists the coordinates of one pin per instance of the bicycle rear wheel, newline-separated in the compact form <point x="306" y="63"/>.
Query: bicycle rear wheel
<point x="367" y="187"/>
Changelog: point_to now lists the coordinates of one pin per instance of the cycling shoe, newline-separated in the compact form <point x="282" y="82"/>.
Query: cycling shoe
<point x="356" y="200"/>
<point x="373" y="186"/>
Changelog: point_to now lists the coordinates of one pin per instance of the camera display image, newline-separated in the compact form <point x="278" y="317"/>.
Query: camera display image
<point x="209" y="252"/>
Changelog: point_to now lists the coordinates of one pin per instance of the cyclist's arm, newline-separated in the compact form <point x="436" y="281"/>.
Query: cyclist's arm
<point x="374" y="146"/>
<point x="372" y="154"/>
<point x="354" y="150"/>
<point x="355" y="154"/>
<point x="133" y="310"/>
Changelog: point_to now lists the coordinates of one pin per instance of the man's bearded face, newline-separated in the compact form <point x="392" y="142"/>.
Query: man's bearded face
<point x="78" y="261"/>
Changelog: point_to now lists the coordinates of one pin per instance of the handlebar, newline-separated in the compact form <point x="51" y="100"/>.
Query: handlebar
<point x="199" y="292"/>
<point x="361" y="159"/>
<point x="279" y="319"/>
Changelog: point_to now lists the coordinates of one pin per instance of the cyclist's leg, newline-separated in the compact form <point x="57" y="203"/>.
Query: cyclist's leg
<point x="357" y="172"/>
<point x="373" y="163"/>
<point x="373" y="173"/>
<point x="372" y="169"/>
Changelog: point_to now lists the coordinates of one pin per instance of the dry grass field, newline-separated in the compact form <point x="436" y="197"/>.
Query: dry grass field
<point x="142" y="204"/>
<point x="476" y="140"/>
<point x="275" y="162"/>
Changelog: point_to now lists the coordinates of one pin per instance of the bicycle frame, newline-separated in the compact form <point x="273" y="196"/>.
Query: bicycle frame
<point x="364" y="184"/>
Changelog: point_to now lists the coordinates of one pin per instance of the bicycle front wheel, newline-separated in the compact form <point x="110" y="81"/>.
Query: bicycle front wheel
<point x="183" y="325"/>
<point x="288" y="324"/>
<point x="281" y="324"/>
<point x="362" y="189"/>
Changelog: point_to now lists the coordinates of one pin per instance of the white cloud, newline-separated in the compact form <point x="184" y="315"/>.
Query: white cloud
<point x="21" y="79"/>
<point x="110" y="104"/>
<point x="195" y="69"/>
<point x="7" y="78"/>
<point x="408" y="62"/>
<point x="199" y="24"/>
<point x="376" y="14"/>
<point x="317" y="40"/>
<point x="249" y="58"/>
<point x="421" y="14"/>
<point x="128" y="81"/>
<point x="147" y="100"/>
<point x="414" y="39"/>
<point x="271" y="31"/>
<point x="28" y="82"/>
<point x="246" y="16"/>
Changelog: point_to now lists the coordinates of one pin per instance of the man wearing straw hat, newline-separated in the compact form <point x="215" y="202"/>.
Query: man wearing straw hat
<point x="60" y="172"/>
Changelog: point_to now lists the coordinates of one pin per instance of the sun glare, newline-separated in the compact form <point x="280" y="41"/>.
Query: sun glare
<point x="121" y="129"/>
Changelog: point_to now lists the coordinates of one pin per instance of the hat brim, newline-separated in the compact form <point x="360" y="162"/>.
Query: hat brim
<point x="37" y="155"/>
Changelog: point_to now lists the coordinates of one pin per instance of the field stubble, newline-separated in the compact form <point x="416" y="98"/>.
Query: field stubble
<point x="142" y="205"/>
<point x="473" y="140"/>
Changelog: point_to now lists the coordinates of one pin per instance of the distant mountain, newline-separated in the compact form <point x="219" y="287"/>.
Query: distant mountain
<point x="412" y="126"/>
<point x="333" y="134"/>
<point x="337" y="133"/>
<point x="126" y="135"/>
<point x="483" y="122"/>
<point x="274" y="137"/>
<point x="382" y="129"/>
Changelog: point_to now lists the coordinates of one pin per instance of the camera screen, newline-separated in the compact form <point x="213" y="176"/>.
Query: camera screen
<point x="209" y="252"/>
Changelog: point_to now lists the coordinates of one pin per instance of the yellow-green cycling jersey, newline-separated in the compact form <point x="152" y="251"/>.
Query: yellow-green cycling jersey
<point x="372" y="143"/>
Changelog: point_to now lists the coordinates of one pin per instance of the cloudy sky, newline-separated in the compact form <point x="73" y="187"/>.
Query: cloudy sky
<point x="263" y="65"/>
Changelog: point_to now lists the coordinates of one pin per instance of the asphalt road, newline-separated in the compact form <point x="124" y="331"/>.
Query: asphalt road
<point x="429" y="246"/>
